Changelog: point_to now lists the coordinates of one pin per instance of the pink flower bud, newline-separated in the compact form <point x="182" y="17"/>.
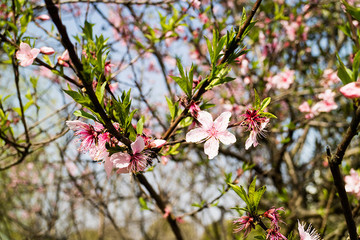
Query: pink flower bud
<point x="47" y="50"/>
<point x="43" y="17"/>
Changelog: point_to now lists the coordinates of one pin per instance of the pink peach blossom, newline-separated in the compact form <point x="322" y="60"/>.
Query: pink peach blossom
<point x="274" y="234"/>
<point x="329" y="77"/>
<point x="304" y="107"/>
<point x="85" y="132"/>
<point x="212" y="132"/>
<point x="351" y="90"/>
<point x="135" y="162"/>
<point x="274" y="215"/>
<point x="256" y="124"/>
<point x="26" y="55"/>
<point x="245" y="222"/>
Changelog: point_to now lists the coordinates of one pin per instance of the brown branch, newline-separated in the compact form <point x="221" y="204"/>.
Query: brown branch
<point x="339" y="184"/>
<point x="125" y="2"/>
<point x="161" y="204"/>
<point x="78" y="67"/>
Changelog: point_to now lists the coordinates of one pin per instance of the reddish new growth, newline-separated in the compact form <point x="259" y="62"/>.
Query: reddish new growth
<point x="255" y="123"/>
<point x="245" y="222"/>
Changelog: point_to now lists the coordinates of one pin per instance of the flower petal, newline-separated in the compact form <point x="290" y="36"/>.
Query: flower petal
<point x="221" y="123"/>
<point x="157" y="143"/>
<point x="123" y="170"/>
<point x="251" y="140"/>
<point x="196" y="135"/>
<point x="226" y="137"/>
<point x="205" y="119"/>
<point x="351" y="90"/>
<point x="138" y="145"/>
<point x="108" y="165"/>
<point x="211" y="147"/>
<point x="34" y="52"/>
<point x="24" y="47"/>
<point x="76" y="125"/>
<point x="120" y="160"/>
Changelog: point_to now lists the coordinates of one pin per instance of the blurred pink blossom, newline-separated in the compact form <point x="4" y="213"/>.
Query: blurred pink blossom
<point x="282" y="80"/>
<point x="26" y="55"/>
<point x="352" y="183"/>
<point x="351" y="90"/>
<point x="47" y="50"/>
<point x="43" y="17"/>
<point x="329" y="78"/>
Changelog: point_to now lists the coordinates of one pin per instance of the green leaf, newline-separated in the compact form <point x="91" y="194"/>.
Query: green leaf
<point x="268" y="115"/>
<point x="183" y="81"/>
<point x="140" y="125"/>
<point x="79" y="98"/>
<point x="210" y="49"/>
<point x="257" y="100"/>
<point x="143" y="204"/>
<point x="172" y="108"/>
<point x="265" y="103"/>
<point x="354" y="12"/>
<point x="83" y="114"/>
<point x="345" y="29"/>
<point x="252" y="190"/>
<point x="343" y="73"/>
<point x="257" y="196"/>
<point x="186" y="122"/>
<point x="241" y="192"/>
<point x="356" y="65"/>
<point x="100" y="91"/>
<point x="88" y="30"/>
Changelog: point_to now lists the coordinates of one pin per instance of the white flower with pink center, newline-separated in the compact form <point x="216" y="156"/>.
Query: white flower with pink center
<point x="212" y="132"/>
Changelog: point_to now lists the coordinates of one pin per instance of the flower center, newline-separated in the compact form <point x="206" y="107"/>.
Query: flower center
<point x="212" y="131"/>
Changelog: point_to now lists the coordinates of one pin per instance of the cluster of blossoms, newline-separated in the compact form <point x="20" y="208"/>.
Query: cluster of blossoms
<point x="94" y="140"/>
<point x="26" y="55"/>
<point x="248" y="223"/>
<point x="282" y="80"/>
<point x="212" y="132"/>
<point x="326" y="104"/>
<point x="352" y="183"/>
